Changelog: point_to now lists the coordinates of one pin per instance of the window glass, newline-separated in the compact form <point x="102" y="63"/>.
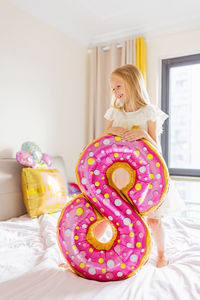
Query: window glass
<point x="184" y="123"/>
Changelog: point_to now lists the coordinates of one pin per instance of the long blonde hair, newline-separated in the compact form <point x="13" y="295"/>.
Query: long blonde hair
<point x="133" y="80"/>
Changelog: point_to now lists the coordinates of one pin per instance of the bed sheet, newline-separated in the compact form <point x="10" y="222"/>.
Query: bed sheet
<point x="30" y="258"/>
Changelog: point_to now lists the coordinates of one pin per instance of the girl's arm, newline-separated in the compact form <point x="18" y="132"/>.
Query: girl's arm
<point x="150" y="134"/>
<point x="120" y="131"/>
<point x="108" y="127"/>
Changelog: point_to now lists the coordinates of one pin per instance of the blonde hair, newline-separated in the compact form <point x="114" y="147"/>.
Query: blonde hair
<point x="133" y="80"/>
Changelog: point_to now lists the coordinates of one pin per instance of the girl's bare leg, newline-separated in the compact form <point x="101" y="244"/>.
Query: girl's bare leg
<point x="158" y="235"/>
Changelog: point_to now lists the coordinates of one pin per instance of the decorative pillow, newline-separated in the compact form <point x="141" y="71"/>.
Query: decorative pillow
<point x="43" y="190"/>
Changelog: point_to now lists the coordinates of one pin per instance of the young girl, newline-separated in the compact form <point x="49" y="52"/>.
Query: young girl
<point x="132" y="108"/>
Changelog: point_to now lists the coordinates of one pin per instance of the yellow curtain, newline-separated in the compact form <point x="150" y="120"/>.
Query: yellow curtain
<point x="141" y="57"/>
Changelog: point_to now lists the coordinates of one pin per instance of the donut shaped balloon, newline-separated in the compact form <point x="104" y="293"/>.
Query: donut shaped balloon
<point x="46" y="159"/>
<point x="25" y="159"/>
<point x="123" y="208"/>
<point x="33" y="149"/>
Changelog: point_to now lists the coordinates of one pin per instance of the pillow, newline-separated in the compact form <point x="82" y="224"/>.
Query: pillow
<point x="43" y="190"/>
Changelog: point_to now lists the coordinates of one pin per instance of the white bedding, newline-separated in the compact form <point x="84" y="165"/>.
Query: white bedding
<point x="29" y="259"/>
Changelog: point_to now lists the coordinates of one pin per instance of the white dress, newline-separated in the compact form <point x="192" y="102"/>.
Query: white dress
<point x="173" y="202"/>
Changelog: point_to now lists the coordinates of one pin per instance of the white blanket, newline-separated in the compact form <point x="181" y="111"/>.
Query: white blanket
<point x="30" y="258"/>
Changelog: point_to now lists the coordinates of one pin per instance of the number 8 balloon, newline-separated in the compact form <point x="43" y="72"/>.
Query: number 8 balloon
<point x="124" y="208"/>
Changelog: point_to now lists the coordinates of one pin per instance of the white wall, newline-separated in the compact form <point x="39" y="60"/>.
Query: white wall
<point x="43" y="87"/>
<point x="167" y="46"/>
<point x="43" y="83"/>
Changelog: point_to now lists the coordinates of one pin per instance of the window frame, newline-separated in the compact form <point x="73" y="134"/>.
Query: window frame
<point x="166" y="65"/>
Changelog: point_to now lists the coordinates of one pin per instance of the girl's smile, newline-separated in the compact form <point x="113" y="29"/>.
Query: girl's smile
<point x="119" y="89"/>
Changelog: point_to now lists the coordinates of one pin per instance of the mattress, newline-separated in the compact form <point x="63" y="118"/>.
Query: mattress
<point x="30" y="259"/>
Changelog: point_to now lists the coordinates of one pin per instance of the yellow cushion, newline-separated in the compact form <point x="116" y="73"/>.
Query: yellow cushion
<point x="44" y="191"/>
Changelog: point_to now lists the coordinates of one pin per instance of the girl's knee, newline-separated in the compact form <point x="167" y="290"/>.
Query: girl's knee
<point x="100" y="229"/>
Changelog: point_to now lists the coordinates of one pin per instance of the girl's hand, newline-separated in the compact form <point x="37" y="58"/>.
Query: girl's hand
<point x="120" y="131"/>
<point x="134" y="134"/>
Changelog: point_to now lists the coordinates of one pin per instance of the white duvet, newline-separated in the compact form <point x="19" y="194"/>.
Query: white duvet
<point x="30" y="258"/>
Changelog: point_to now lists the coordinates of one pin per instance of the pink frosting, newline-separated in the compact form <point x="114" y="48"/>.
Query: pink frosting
<point x="130" y="246"/>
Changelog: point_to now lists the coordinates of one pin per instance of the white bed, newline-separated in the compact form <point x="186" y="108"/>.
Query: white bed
<point x="30" y="258"/>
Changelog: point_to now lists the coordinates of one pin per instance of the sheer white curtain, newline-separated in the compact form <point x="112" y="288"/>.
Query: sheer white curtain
<point x="103" y="60"/>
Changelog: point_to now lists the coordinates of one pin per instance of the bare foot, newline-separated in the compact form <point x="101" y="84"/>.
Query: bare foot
<point x="162" y="262"/>
<point x="64" y="266"/>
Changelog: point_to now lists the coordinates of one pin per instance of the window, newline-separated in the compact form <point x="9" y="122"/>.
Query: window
<point x="181" y="139"/>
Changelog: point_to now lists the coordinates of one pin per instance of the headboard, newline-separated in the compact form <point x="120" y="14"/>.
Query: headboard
<point x="11" y="199"/>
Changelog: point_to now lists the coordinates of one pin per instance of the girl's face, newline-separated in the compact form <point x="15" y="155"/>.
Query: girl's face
<point x="119" y="89"/>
